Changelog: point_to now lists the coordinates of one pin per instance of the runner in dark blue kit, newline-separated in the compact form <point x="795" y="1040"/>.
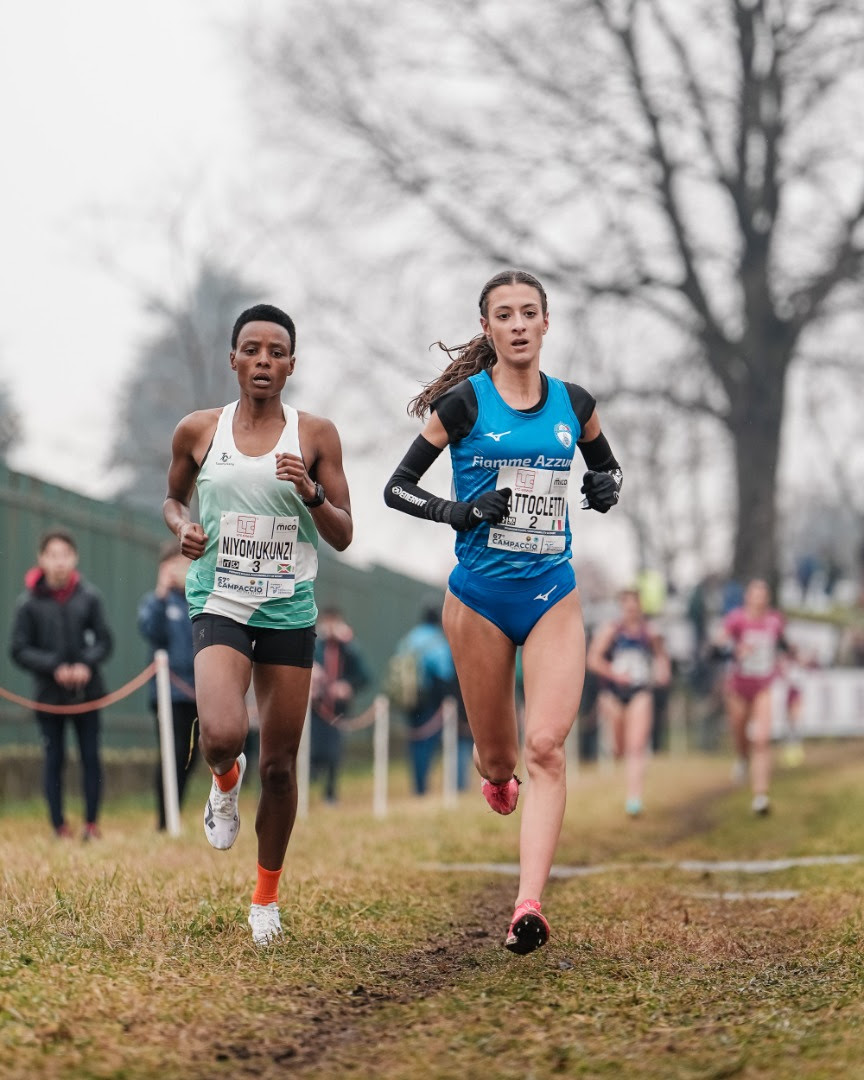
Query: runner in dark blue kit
<point x="630" y="658"/>
<point x="512" y="433"/>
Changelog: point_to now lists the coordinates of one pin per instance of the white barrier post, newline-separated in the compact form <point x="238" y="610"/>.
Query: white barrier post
<point x="450" y="750"/>
<point x="381" y="743"/>
<point x="165" y="713"/>
<point x="304" y="751"/>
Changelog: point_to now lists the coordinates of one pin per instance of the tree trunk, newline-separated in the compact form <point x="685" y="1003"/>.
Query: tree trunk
<point x="755" y="424"/>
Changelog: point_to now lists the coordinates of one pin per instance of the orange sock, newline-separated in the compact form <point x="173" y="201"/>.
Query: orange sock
<point x="227" y="780"/>
<point x="267" y="889"/>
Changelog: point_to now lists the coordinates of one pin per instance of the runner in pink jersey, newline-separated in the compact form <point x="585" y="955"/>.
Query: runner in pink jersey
<point x="755" y="636"/>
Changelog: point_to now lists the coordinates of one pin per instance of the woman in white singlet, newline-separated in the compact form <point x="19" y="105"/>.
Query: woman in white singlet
<point x="630" y="658"/>
<point x="270" y="482"/>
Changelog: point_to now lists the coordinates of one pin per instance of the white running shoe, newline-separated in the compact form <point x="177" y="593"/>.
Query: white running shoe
<point x="740" y="769"/>
<point x="264" y="920"/>
<point x="761" y="804"/>
<point x="221" y="815"/>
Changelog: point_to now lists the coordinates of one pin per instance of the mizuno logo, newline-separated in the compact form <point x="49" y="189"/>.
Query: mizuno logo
<point x="545" y="596"/>
<point x="496" y="435"/>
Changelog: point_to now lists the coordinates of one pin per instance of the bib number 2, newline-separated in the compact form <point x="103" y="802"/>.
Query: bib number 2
<point x="538" y="511"/>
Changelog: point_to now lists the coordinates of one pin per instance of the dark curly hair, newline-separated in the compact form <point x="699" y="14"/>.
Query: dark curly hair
<point x="264" y="313"/>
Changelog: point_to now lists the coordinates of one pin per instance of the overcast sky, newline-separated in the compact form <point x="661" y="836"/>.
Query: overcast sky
<point x="110" y="116"/>
<point x="108" y="112"/>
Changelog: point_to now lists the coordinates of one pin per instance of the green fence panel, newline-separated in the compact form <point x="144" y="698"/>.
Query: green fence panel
<point x="118" y="552"/>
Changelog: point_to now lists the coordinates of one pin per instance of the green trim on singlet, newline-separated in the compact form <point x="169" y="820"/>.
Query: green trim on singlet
<point x="285" y="613"/>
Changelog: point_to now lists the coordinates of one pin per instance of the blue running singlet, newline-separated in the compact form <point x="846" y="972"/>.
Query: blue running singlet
<point x="531" y="453"/>
<point x="514" y="572"/>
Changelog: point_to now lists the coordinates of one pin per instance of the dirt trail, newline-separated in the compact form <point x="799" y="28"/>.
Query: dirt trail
<point x="312" y="1030"/>
<point x="314" y="1033"/>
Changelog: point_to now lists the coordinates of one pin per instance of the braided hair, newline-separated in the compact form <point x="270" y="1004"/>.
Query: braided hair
<point x="475" y="355"/>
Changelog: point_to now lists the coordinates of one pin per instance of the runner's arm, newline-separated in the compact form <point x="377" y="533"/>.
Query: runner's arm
<point x="403" y="493"/>
<point x="596" y="661"/>
<point x="322" y="448"/>
<point x="182" y="472"/>
<point x="601" y="484"/>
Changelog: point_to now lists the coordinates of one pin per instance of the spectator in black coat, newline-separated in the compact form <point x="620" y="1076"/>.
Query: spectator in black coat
<point x="163" y="619"/>
<point x="338" y="673"/>
<point x="60" y="635"/>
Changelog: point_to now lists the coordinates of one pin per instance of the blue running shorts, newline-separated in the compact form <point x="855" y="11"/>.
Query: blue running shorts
<point x="514" y="605"/>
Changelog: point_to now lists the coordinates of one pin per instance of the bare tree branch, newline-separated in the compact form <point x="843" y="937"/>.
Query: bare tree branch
<point x="691" y="284"/>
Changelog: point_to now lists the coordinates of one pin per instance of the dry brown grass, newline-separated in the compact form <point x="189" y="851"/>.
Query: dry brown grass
<point x="131" y="958"/>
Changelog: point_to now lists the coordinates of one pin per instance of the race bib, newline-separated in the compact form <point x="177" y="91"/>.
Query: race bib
<point x="758" y="655"/>
<point x="538" y="511"/>
<point x="256" y="556"/>
<point x="632" y="664"/>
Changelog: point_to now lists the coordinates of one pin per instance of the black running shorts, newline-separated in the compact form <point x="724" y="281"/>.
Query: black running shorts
<point x="293" y="648"/>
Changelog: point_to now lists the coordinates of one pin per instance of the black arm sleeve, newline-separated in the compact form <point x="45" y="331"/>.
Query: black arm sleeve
<point x="598" y="454"/>
<point x="402" y="492"/>
<point x="601" y="485"/>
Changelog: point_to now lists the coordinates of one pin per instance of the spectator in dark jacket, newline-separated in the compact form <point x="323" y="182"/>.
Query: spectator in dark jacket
<point x="59" y="633"/>
<point x="337" y="674"/>
<point x="163" y="619"/>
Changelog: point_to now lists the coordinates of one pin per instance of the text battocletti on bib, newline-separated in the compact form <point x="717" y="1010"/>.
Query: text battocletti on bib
<point x="538" y="511"/>
<point x="256" y="556"/>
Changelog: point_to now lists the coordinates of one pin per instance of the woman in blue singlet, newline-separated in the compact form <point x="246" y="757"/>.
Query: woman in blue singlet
<point x="630" y="658"/>
<point x="512" y="433"/>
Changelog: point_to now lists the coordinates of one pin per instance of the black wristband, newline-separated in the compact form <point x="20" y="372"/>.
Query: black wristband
<point x="317" y="499"/>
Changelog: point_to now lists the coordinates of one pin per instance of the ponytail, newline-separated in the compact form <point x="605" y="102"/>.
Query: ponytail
<point x="466" y="360"/>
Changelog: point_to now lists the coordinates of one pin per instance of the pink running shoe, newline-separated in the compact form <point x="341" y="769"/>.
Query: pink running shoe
<point x="528" y="929"/>
<point x="502" y="797"/>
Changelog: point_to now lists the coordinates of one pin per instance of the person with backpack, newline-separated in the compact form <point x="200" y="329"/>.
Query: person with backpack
<point x="425" y="676"/>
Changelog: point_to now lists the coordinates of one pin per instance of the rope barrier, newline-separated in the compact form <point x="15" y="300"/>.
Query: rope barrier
<point x="182" y="685"/>
<point x="430" y="727"/>
<point x="357" y="723"/>
<point x="84" y="706"/>
<point x="367" y="718"/>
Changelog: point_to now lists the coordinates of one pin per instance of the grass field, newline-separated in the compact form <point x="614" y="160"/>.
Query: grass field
<point x="131" y="957"/>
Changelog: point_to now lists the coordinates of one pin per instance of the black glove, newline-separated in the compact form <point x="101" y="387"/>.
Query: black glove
<point x="601" y="490"/>
<point x="491" y="506"/>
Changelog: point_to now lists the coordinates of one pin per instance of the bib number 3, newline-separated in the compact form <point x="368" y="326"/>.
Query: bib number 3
<point x="256" y="556"/>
